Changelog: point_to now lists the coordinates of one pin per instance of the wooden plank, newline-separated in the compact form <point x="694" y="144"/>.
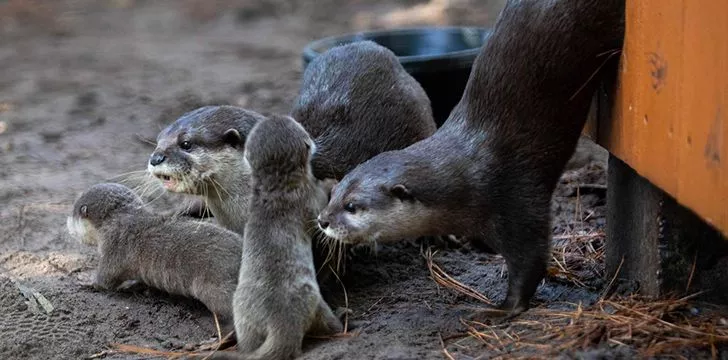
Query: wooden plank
<point x="670" y="106"/>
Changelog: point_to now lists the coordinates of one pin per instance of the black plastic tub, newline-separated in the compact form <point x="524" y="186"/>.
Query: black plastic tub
<point x="439" y="58"/>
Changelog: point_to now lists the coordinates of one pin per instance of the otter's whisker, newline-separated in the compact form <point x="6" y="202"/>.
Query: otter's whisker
<point x="148" y="190"/>
<point x="216" y="183"/>
<point x="135" y="172"/>
<point x="204" y="192"/>
<point x="155" y="199"/>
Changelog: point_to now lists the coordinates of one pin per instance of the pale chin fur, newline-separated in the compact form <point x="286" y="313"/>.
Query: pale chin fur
<point x="177" y="186"/>
<point x="82" y="231"/>
<point x="342" y="233"/>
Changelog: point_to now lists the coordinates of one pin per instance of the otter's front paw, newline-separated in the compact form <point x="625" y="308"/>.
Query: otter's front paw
<point x="342" y="312"/>
<point x="495" y="315"/>
<point x="98" y="286"/>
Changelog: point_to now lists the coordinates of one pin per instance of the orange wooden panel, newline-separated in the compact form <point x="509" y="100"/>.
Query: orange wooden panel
<point x="670" y="107"/>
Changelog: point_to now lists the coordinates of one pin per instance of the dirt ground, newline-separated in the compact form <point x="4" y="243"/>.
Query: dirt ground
<point x="86" y="84"/>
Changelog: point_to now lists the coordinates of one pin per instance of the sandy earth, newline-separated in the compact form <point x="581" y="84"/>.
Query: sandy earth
<point x="84" y="85"/>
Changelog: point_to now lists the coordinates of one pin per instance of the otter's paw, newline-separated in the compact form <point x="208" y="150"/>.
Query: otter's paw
<point x="363" y="249"/>
<point x="341" y="312"/>
<point x="441" y="242"/>
<point x="495" y="315"/>
<point x="98" y="286"/>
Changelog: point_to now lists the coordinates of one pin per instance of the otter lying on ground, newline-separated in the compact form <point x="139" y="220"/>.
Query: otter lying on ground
<point x="182" y="257"/>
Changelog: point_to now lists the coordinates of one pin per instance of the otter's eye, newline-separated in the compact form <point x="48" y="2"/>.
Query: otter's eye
<point x="185" y="145"/>
<point x="349" y="207"/>
<point x="84" y="210"/>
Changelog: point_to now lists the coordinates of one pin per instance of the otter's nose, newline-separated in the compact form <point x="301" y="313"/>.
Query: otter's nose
<point x="323" y="224"/>
<point x="156" y="159"/>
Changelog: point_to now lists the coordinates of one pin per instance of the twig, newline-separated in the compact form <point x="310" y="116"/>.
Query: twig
<point x="346" y="300"/>
<point x="444" y="349"/>
<point x="609" y="286"/>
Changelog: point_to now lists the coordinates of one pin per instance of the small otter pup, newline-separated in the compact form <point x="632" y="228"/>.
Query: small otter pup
<point x="277" y="300"/>
<point x="201" y="154"/>
<point x="182" y="257"/>
<point x="356" y="101"/>
<point x="489" y="172"/>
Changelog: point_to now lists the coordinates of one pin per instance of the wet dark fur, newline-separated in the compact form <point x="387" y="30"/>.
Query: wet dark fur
<point x="182" y="257"/>
<point x="356" y="101"/>
<point x="491" y="169"/>
<point x="278" y="300"/>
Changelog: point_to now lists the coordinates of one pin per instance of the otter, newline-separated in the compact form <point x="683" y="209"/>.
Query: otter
<point x="490" y="171"/>
<point x="356" y="101"/>
<point x="182" y="257"/>
<point x="277" y="300"/>
<point x="201" y="154"/>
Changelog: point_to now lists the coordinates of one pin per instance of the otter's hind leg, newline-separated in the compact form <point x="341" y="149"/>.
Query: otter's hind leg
<point x="325" y="322"/>
<point x="249" y="338"/>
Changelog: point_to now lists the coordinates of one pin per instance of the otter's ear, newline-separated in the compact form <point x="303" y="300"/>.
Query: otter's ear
<point x="233" y="138"/>
<point x="400" y="191"/>
<point x="84" y="211"/>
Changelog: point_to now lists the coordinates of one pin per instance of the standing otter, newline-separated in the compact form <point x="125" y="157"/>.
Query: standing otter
<point x="356" y="101"/>
<point x="182" y="257"/>
<point x="489" y="172"/>
<point x="201" y="154"/>
<point x="277" y="300"/>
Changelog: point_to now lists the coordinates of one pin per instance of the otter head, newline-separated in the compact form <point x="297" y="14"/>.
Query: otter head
<point x="279" y="148"/>
<point x="95" y="206"/>
<point x="380" y="200"/>
<point x="203" y="150"/>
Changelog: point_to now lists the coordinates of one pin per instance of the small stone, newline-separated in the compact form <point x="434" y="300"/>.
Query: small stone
<point x="189" y="347"/>
<point x="3" y="126"/>
<point x="694" y="311"/>
<point x="723" y="321"/>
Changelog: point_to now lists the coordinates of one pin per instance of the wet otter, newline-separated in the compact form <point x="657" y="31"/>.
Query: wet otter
<point x="356" y="101"/>
<point x="277" y="300"/>
<point x="201" y="154"/>
<point x="182" y="257"/>
<point x="489" y="172"/>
